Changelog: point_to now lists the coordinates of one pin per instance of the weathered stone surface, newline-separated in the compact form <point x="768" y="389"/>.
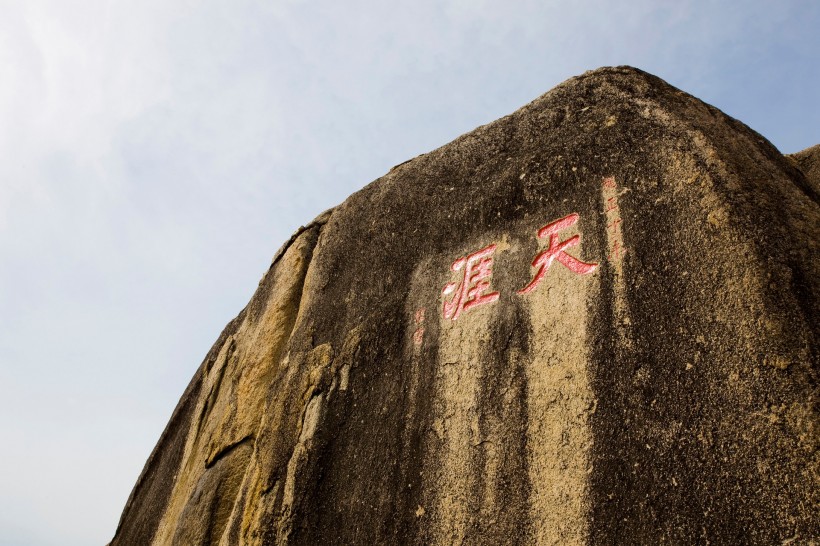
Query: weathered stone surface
<point x="808" y="161"/>
<point x="667" y="395"/>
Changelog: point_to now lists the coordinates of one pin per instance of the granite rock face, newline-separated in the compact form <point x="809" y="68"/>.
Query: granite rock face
<point x="808" y="161"/>
<point x="594" y="321"/>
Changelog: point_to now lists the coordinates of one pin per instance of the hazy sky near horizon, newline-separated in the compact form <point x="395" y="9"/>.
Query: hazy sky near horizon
<point x="155" y="154"/>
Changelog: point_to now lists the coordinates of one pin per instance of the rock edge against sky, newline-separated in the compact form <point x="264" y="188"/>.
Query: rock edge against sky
<point x="595" y="318"/>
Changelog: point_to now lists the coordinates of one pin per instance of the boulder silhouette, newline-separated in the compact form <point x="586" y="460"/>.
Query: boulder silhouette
<point x="592" y="321"/>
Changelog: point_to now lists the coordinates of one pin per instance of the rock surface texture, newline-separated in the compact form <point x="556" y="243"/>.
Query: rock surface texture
<point x="594" y="321"/>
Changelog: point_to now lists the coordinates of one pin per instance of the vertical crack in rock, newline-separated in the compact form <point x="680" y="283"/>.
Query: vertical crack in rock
<point x="297" y="463"/>
<point x="298" y="377"/>
<point x="316" y="378"/>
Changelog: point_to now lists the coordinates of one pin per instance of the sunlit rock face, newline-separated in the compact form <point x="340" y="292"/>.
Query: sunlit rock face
<point x="593" y="321"/>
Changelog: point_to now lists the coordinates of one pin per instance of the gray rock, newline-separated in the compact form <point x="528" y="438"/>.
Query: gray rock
<point x="592" y="321"/>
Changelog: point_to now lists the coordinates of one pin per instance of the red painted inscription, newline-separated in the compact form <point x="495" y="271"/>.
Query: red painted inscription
<point x="473" y="288"/>
<point x="613" y="218"/>
<point x="557" y="250"/>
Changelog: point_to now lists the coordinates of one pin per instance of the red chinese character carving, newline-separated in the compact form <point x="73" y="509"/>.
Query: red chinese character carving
<point x="613" y="204"/>
<point x="609" y="182"/>
<point x="617" y="250"/>
<point x="557" y="251"/>
<point x="472" y="290"/>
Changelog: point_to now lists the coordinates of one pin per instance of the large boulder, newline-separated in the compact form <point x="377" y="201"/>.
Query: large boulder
<point x="592" y="321"/>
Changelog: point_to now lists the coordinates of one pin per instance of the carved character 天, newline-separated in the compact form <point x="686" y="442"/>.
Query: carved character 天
<point x="557" y="251"/>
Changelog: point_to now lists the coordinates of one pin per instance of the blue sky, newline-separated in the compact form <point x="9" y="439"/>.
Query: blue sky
<point x="155" y="154"/>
